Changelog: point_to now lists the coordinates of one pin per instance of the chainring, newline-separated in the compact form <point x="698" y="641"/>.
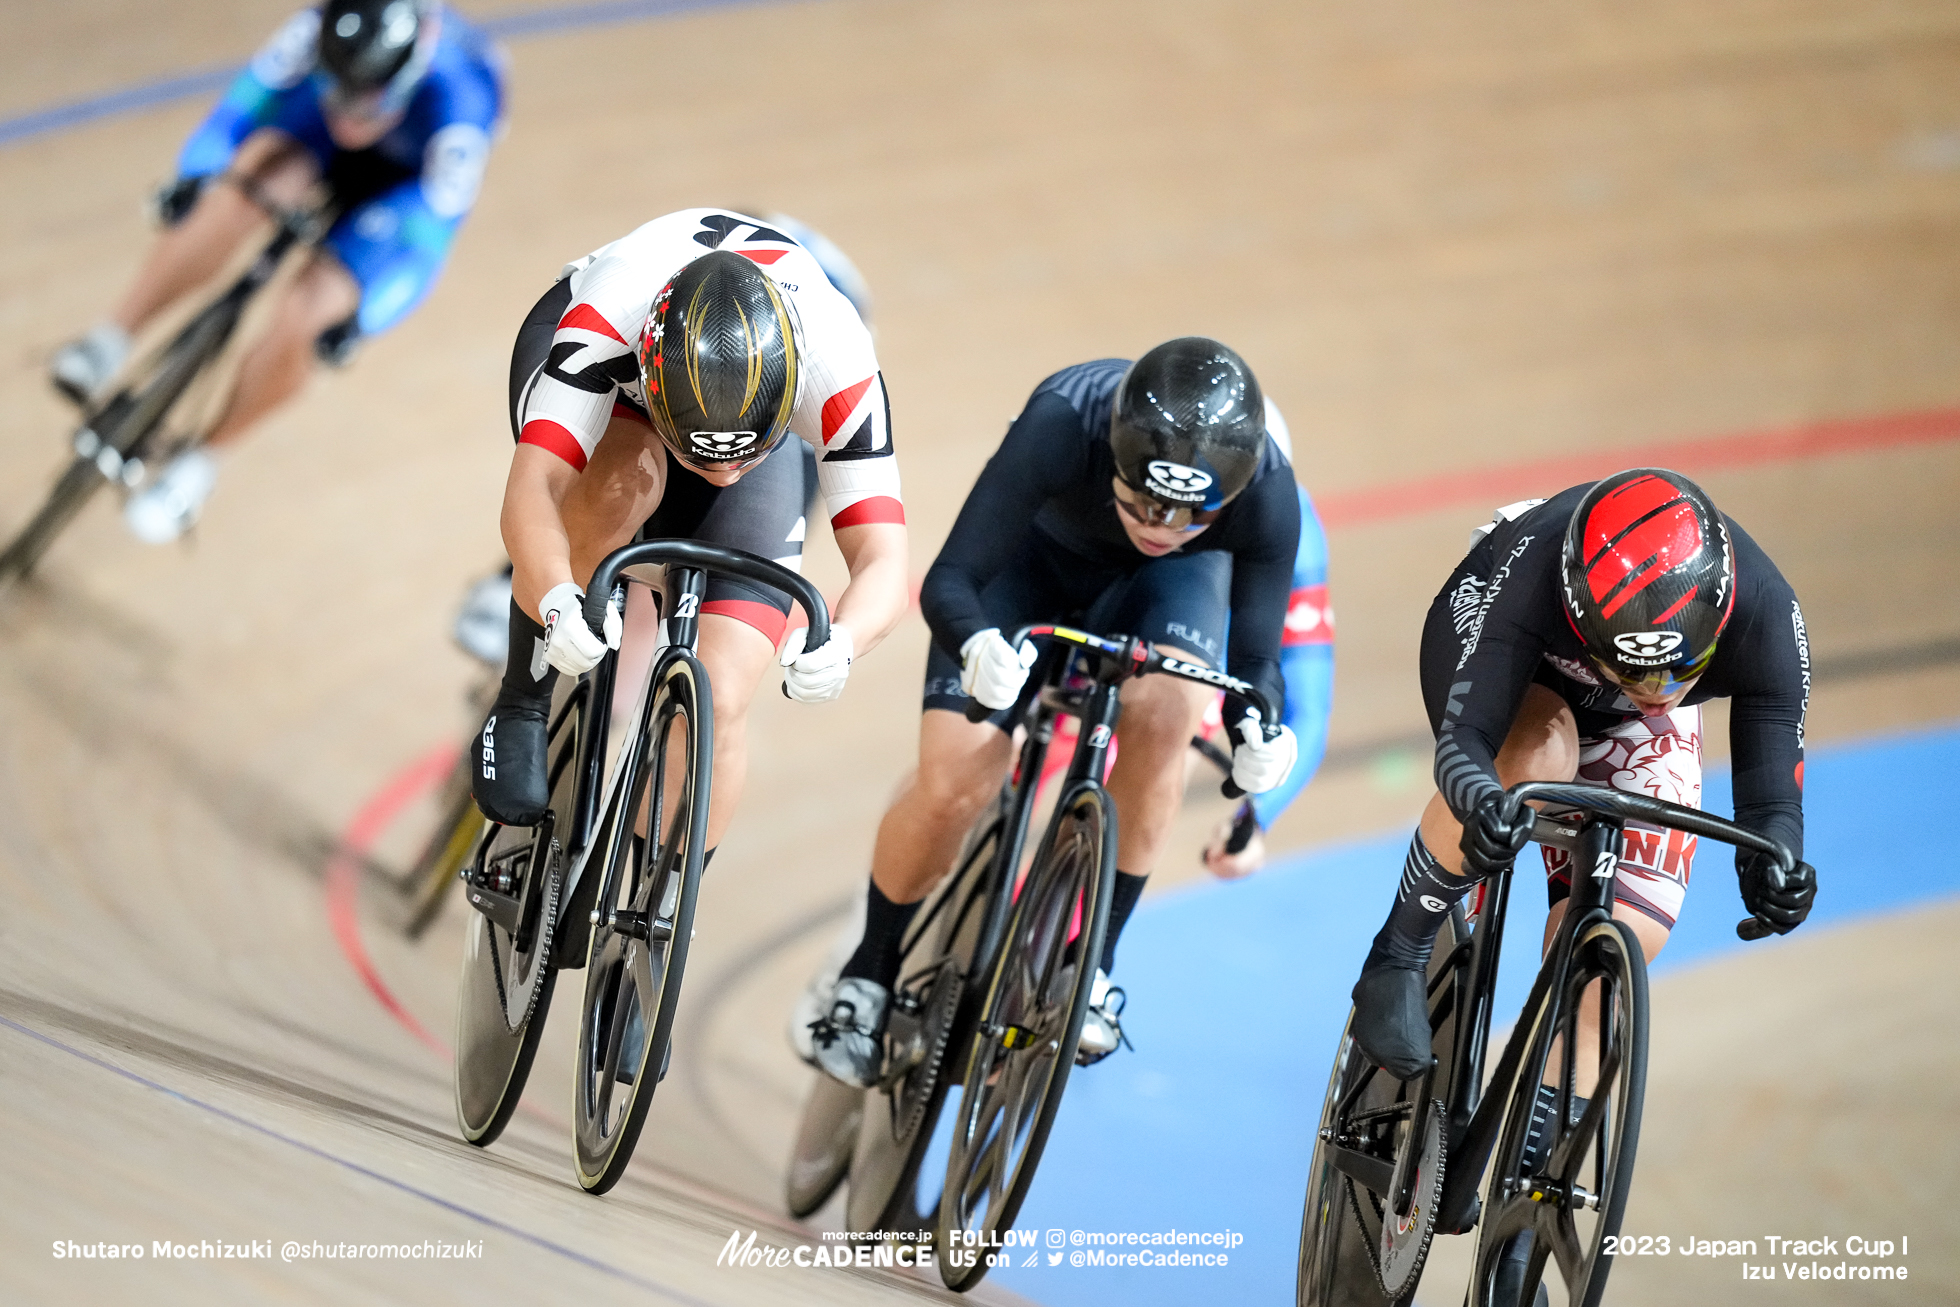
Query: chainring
<point x="540" y="950"/>
<point x="914" y="1090"/>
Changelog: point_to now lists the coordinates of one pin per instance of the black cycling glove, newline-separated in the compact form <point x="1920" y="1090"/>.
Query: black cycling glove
<point x="1782" y="908"/>
<point x="175" y="199"/>
<point x="1491" y="841"/>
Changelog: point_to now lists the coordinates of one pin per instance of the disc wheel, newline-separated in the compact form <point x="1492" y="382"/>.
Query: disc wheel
<point x="1355" y="1249"/>
<point x="1546" y="1225"/>
<point x="825" y="1136"/>
<point x="645" y="919"/>
<point x="1028" y="1029"/>
<point x="508" y="975"/>
<point x="891" y="1188"/>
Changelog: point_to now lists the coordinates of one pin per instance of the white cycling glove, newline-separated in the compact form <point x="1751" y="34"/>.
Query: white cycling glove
<point x="1258" y="763"/>
<point x="569" y="644"/>
<point x="817" y="676"/>
<point x="992" y="670"/>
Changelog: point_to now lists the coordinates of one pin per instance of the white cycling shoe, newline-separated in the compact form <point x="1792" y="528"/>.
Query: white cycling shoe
<point x="82" y="369"/>
<point x="483" y="626"/>
<point x="164" y="509"/>
<point x="846" y="1038"/>
<point x="1102" y="1025"/>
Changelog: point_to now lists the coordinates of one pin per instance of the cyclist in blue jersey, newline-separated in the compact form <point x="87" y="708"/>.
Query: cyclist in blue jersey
<point x="1306" y="661"/>
<point x="391" y="105"/>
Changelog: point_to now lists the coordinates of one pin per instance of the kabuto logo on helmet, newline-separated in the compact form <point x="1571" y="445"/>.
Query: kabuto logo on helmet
<point x="721" y="444"/>
<point x="1176" y="481"/>
<point x="1647" y="647"/>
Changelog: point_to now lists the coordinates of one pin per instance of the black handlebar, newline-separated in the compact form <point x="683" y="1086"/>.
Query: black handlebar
<point x="1660" y="812"/>
<point x="709" y="558"/>
<point x="1148" y="659"/>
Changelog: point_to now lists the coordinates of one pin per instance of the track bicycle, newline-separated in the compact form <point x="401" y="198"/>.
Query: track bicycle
<point x="608" y="878"/>
<point x="1396" y="1162"/>
<point x="994" y="982"/>
<point x="124" y="435"/>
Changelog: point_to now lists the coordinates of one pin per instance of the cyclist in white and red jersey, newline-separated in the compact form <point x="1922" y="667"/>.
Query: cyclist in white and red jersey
<point x="652" y="389"/>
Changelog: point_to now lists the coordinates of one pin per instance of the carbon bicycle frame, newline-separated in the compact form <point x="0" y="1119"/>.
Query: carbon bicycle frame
<point x="1472" y="1123"/>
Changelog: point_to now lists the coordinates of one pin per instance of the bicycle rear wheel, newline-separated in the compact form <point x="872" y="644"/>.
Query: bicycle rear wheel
<point x="1556" y="1216"/>
<point x="1354" y="1251"/>
<point x="1028" y="1028"/>
<point x="932" y="1015"/>
<point x="508" y="974"/>
<point x="645" y="920"/>
<point x="825" y="1136"/>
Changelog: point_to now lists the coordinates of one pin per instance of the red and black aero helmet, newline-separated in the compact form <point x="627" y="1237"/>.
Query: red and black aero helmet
<point x="720" y="360"/>
<point x="1188" y="428"/>
<point x="1648" y="576"/>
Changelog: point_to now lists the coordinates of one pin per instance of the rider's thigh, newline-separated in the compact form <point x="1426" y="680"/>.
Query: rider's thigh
<point x="737" y="656"/>
<point x="282" y="169"/>
<point x="1161" y="714"/>
<point x="961" y="763"/>
<point x="620" y="487"/>
<point x="323" y="295"/>
<point x="1543" y="745"/>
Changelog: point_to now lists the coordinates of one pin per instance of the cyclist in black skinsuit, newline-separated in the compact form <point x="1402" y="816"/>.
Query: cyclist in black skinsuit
<point x="1146" y="499"/>
<point x="1576" y="639"/>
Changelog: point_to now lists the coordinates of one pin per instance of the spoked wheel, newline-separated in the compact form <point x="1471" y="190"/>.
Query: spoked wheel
<point x="1373" y="1183"/>
<point x="514" y="886"/>
<point x="1545" y="1224"/>
<point x="645" y="917"/>
<point x="457" y="831"/>
<point x="1025" y="1040"/>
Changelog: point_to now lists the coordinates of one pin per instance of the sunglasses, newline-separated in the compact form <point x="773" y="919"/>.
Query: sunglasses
<point x="1660" y="684"/>
<point x="1148" y="512"/>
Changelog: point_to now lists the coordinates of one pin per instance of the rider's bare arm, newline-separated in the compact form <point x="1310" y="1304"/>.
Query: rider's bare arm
<point x="879" y="592"/>
<point x="534" y="524"/>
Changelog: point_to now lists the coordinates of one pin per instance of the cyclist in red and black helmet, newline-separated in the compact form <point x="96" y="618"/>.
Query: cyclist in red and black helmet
<point x="1577" y="640"/>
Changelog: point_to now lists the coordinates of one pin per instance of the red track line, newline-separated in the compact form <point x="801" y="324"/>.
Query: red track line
<point x="1512" y="481"/>
<point x="344" y="877"/>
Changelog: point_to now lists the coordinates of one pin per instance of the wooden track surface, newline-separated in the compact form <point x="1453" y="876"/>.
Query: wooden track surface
<point x="1442" y="237"/>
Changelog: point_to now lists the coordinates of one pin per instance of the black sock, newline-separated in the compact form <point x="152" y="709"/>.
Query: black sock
<point x="528" y="678"/>
<point x="1122" y="901"/>
<point x="877" y="955"/>
<point x="1425" y="897"/>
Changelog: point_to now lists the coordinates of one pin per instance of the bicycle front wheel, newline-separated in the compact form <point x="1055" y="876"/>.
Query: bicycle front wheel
<point x="645" y="918"/>
<point x="1029" y="1025"/>
<point x="1548" y="1215"/>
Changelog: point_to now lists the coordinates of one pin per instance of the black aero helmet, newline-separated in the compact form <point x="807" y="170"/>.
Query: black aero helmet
<point x="375" y="46"/>
<point x="719" y="357"/>
<point x="1188" y="426"/>
<point x="1648" y="575"/>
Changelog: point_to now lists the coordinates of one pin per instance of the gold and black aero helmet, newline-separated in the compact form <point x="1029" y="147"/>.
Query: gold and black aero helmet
<point x="1648" y="578"/>
<point x="719" y="357"/>
<point x="1188" y="426"/>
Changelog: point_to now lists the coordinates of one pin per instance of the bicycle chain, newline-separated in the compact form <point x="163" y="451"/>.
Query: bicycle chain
<point x="916" y="1088"/>
<point x="541" y="950"/>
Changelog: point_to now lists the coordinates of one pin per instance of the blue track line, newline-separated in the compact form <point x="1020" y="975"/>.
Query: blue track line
<point x="209" y="81"/>
<point x="492" y="1222"/>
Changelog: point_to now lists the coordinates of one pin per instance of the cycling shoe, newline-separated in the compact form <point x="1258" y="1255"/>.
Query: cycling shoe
<point x="509" y="780"/>
<point x="1391" y="1020"/>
